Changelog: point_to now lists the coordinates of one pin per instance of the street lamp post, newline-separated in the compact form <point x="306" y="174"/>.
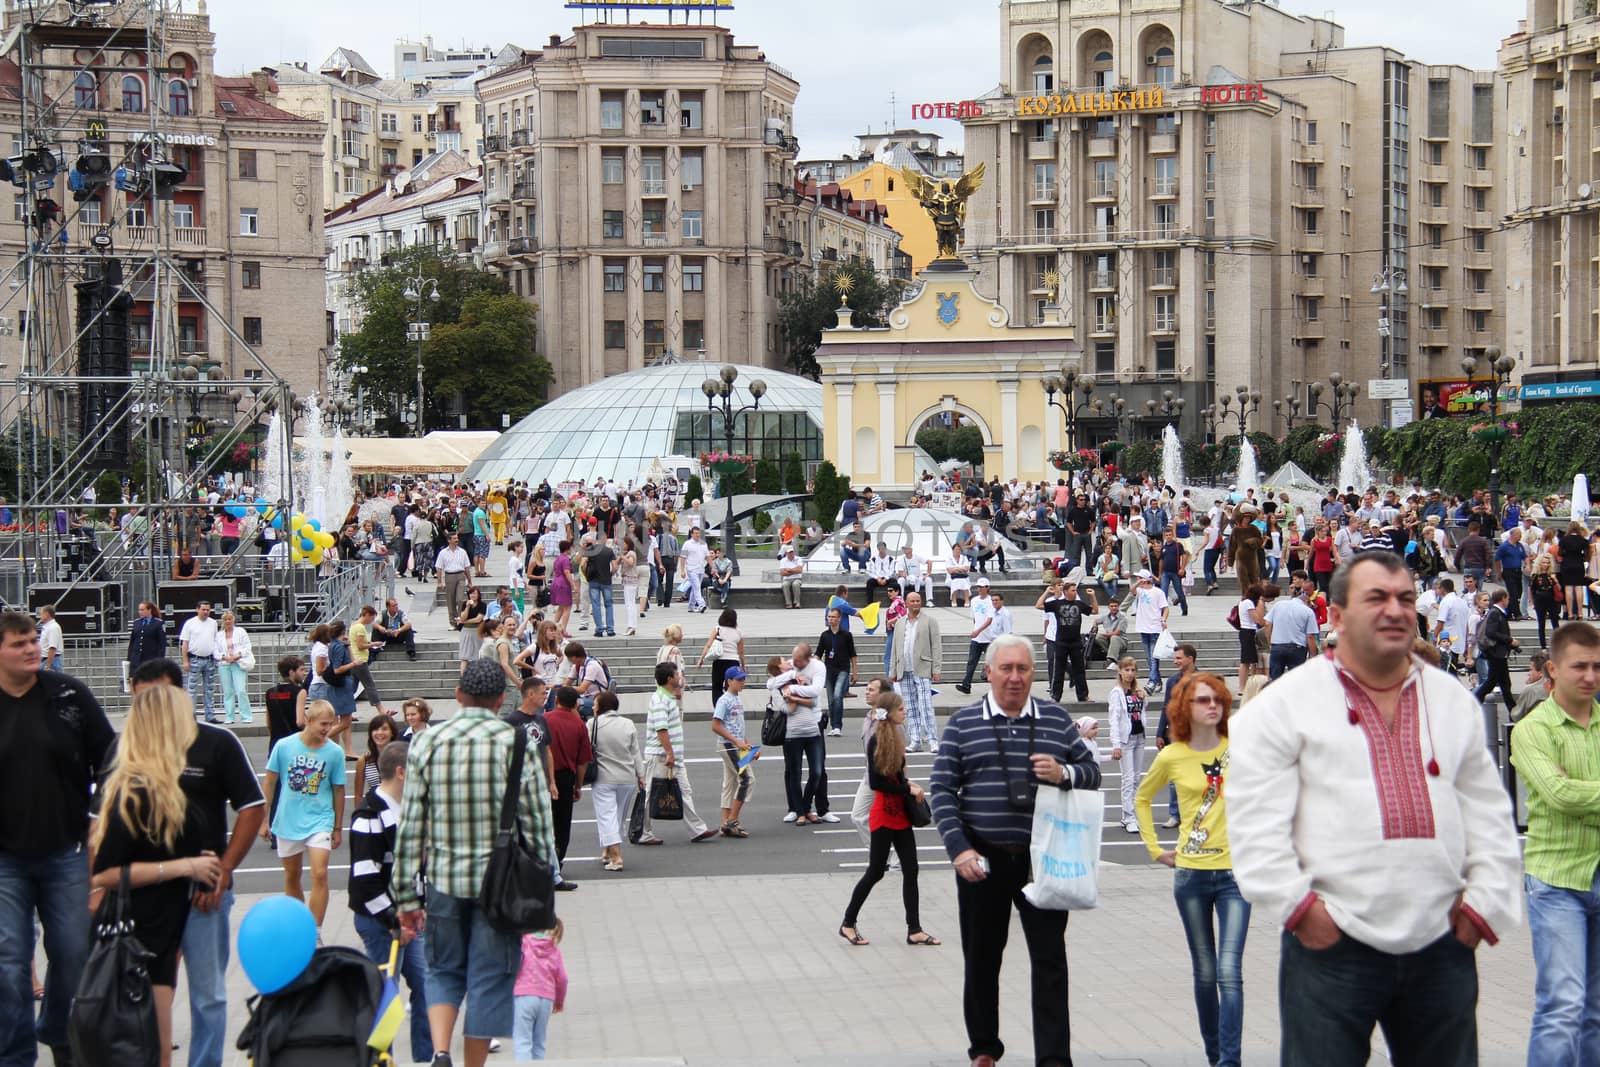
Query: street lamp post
<point x="1170" y="406"/>
<point x="420" y="289"/>
<point x="1219" y="414"/>
<point x="1067" y="383"/>
<point x="719" y="399"/>
<point x="1117" y="408"/>
<point x="1340" y="402"/>
<point x="1292" y="404"/>
<point x="1389" y="283"/>
<point x="1500" y="370"/>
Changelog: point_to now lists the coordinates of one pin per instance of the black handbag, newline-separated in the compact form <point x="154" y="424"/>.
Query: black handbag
<point x="666" y="799"/>
<point x="918" y="811"/>
<point x="591" y="772"/>
<point x="636" y="819"/>
<point x="774" y="726"/>
<point x="519" y="887"/>
<point x="113" y="1014"/>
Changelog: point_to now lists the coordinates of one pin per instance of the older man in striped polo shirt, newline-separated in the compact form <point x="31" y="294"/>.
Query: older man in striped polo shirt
<point x="993" y="756"/>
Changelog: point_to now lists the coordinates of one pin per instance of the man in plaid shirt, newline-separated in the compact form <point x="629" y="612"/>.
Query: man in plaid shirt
<point x="455" y="778"/>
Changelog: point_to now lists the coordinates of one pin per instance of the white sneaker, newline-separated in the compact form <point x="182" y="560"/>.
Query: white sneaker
<point x="830" y="817"/>
<point x="790" y="817"/>
<point x="834" y="732"/>
<point x="1170" y="824"/>
<point x="1131" y="827"/>
<point x="933" y="746"/>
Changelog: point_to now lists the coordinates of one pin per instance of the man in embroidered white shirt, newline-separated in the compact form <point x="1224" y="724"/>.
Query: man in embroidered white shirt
<point x="1365" y="815"/>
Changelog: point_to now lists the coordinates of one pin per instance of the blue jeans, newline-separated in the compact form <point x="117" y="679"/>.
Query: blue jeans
<point x="1274" y="565"/>
<point x="533" y="1023"/>
<point x="377" y="939"/>
<point x="1172" y="585"/>
<point x="838" y="686"/>
<point x="56" y="887"/>
<point x="1208" y="564"/>
<point x="600" y="598"/>
<point x="801" y="799"/>
<point x="1285" y="658"/>
<point x="1565" y="924"/>
<point x="848" y="555"/>
<point x="205" y="962"/>
<point x="1150" y="654"/>
<point x="201" y="682"/>
<point x="470" y="960"/>
<point x="1217" y="954"/>
<point x="1425" y="1001"/>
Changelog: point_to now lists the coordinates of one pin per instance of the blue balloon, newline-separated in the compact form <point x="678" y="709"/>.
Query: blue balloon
<point x="234" y="510"/>
<point x="306" y="544"/>
<point x="277" y="521"/>
<point x="315" y="525"/>
<point x="276" y="941"/>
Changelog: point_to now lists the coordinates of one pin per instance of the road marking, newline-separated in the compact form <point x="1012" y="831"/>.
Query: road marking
<point x="920" y="848"/>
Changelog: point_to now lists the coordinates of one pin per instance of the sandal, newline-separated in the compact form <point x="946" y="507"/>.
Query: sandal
<point x="925" y="939"/>
<point x="854" y="937"/>
<point x="733" y="829"/>
<point x="612" y="866"/>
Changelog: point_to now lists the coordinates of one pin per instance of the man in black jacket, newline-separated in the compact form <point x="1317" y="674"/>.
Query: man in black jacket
<point x="1080" y="533"/>
<point x="1495" y="644"/>
<point x="372" y="833"/>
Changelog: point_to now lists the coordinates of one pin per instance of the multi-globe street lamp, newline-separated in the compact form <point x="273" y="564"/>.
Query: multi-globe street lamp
<point x="1500" y="368"/>
<point x="1218" y="414"/>
<point x="720" y="400"/>
<point x="1341" y="400"/>
<point x="1068" y="383"/>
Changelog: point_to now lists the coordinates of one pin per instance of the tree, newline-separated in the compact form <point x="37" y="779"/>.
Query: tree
<point x="693" y="490"/>
<point x="794" y="473"/>
<point x="811" y="307"/>
<point x="829" y="488"/>
<point x="769" y="477"/>
<point x="381" y="344"/>
<point x="964" y="443"/>
<point x="487" y="359"/>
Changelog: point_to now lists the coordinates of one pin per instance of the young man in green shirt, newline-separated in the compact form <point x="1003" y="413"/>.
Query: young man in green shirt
<point x="1556" y="750"/>
<point x="663" y="747"/>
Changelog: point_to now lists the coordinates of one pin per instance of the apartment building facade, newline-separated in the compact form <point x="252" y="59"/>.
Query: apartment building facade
<point x="638" y="185"/>
<point x="244" y="224"/>
<point x="379" y="127"/>
<point x="1550" y="198"/>
<point x="1219" y="194"/>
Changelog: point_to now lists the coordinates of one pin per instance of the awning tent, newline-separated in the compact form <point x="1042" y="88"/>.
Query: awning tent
<point x="440" y="452"/>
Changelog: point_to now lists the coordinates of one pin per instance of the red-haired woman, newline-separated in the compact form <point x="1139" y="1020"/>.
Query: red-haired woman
<point x="1197" y="763"/>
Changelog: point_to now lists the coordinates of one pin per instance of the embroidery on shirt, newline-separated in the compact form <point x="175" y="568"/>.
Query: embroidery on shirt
<point x="1195" y="843"/>
<point x="1398" y="774"/>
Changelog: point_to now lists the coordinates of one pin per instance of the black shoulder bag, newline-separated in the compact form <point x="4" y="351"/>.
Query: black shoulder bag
<point x="113" y="1014"/>
<point x="518" y="894"/>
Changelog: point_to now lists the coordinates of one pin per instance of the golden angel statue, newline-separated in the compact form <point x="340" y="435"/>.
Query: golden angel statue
<point x="945" y="202"/>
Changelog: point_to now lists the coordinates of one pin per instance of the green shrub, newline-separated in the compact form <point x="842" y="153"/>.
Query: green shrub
<point x="694" y="490"/>
<point x="794" y="473"/>
<point x="828" y="493"/>
<point x="769" y="477"/>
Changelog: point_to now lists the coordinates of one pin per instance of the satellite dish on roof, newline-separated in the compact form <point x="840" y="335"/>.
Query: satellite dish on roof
<point x="924" y="144"/>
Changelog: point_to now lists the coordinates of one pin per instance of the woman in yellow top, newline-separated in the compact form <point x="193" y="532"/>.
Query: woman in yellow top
<point x="1197" y="763"/>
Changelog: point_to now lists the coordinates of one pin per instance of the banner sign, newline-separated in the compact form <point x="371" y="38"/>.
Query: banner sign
<point x="1560" y="390"/>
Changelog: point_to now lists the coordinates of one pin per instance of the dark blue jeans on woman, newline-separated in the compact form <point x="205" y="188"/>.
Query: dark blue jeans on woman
<point x="812" y="750"/>
<point x="1217" y="954"/>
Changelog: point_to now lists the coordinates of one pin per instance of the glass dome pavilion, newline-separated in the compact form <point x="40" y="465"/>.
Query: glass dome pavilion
<point x="617" y="427"/>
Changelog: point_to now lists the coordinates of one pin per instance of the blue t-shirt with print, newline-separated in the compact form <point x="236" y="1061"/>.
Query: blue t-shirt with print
<point x="306" y="777"/>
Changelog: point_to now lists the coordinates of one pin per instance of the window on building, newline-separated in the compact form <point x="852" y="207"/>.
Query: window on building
<point x="1166" y="180"/>
<point x="416" y="156"/>
<point x="616" y="275"/>
<point x="694" y="277"/>
<point x="1433" y="236"/>
<point x="693" y="225"/>
<point x="691" y="169"/>
<point x="250" y="274"/>
<point x="694" y="335"/>
<point x="1164" y="65"/>
<point x="1044" y="78"/>
<point x="1166" y="220"/>
<point x="1105" y="128"/>
<point x="1311" y="308"/>
<point x="611" y="170"/>
<point x="1211" y="131"/>
<point x="1105" y="222"/>
<point x="655" y="221"/>
<point x="89" y="212"/>
<point x="652" y="108"/>
<point x="1480" y="240"/>
<point x="1166" y="358"/>
<point x="1311" y="131"/>
<point x="1164" y="268"/>
<point x="390" y="158"/>
<point x="183" y="215"/>
<point x="1044" y="221"/>
<point x="249" y="222"/>
<point x="86" y="92"/>
<point x="132" y="93"/>
<point x="1166" y="308"/>
<point x="247" y="162"/>
<point x="1433" y="153"/>
<point x="1478" y="158"/>
<point x="136" y="216"/>
<point x="178" y="97"/>
<point x="691" y="110"/>
<point x="1480" y="199"/>
<point x="655" y="338"/>
<point x="616" y="334"/>
<point x="389" y="122"/>
<point x="1478" y="321"/>
<point x="1478" y="281"/>
<point x="611" y="225"/>
<point x="1211" y="309"/>
<point x="611" y="111"/>
<point x="252" y="330"/>
<point x="1100" y="70"/>
<point x="1311" y="221"/>
<point x="1166" y="122"/>
<point x="655" y="278"/>
<point x="1211" y="172"/>
<point x="1105" y="359"/>
<point x="1211" y="266"/>
<point x="1044" y="181"/>
<point x="1105" y="314"/>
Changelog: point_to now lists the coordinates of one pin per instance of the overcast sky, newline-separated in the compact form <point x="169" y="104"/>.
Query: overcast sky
<point x="849" y="55"/>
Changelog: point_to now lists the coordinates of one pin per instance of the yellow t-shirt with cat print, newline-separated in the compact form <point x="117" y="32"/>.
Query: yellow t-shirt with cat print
<point x="1202" y="806"/>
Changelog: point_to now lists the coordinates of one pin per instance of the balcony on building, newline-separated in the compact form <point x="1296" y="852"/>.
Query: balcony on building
<point x="522" y="246"/>
<point x="1306" y="196"/>
<point x="1309" y="285"/>
<point x="1102" y="189"/>
<point x="493" y="142"/>
<point x="1043" y="193"/>
<point x="652" y="187"/>
<point x="1105" y="326"/>
<point x="1483" y="177"/>
<point x="1163" y="277"/>
<point x="655" y="238"/>
<point x="501" y="193"/>
<point x="1308" y="329"/>
<point x="1101" y="147"/>
<point x="521" y="138"/>
<point x="1102" y="279"/>
<point x="1164" y="323"/>
<point x="1309" y="242"/>
<point x="831" y="255"/>
<point x="1042" y="148"/>
<point x="386" y="134"/>
<point x="1162" y="144"/>
<point x="494" y="248"/>
<point x="1306" y="152"/>
<point x="1164" y="187"/>
<point x="1433" y="173"/>
<point x="524" y="190"/>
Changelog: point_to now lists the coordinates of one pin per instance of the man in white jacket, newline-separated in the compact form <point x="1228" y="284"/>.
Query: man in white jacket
<point x="1366" y="816"/>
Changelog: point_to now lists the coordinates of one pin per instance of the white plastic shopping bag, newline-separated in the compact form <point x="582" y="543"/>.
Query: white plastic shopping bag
<point x="1065" y="849"/>
<point x="1166" y="645"/>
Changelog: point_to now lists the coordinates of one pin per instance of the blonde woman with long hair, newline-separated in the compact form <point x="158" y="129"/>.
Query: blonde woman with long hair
<point x="145" y="825"/>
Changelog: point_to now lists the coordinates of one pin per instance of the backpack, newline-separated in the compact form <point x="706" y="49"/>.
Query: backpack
<point x="610" y="683"/>
<point x="321" y="1019"/>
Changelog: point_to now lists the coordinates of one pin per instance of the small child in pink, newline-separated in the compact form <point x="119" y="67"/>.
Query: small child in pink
<point x="541" y="990"/>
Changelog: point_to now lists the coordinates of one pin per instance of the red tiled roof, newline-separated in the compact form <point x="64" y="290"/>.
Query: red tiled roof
<point x="241" y="93"/>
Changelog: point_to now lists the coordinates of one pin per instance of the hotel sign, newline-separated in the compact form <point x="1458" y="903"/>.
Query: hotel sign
<point x="947" y="109"/>
<point x="1106" y="103"/>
